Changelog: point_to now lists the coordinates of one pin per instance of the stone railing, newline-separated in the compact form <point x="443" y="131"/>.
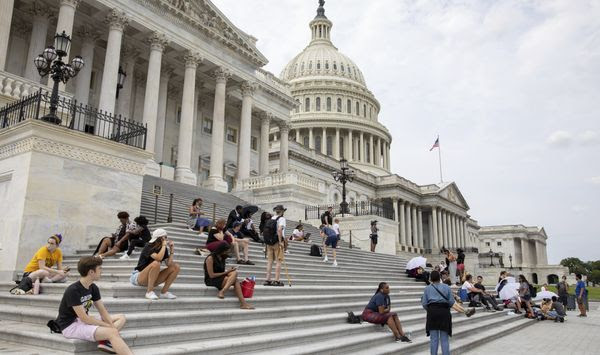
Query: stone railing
<point x="271" y="80"/>
<point x="17" y="87"/>
<point x="289" y="178"/>
<point x="395" y="179"/>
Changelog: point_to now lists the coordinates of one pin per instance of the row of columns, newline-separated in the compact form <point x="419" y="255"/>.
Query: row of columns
<point x="155" y="100"/>
<point x="448" y="229"/>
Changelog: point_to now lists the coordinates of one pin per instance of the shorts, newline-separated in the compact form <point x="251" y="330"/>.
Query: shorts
<point x="331" y="241"/>
<point x="373" y="238"/>
<point x="80" y="330"/>
<point x="216" y="282"/>
<point x="526" y="298"/>
<point x="274" y="253"/>
<point x="134" y="278"/>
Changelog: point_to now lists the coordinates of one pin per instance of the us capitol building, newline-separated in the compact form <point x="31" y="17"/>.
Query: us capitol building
<point x="214" y="118"/>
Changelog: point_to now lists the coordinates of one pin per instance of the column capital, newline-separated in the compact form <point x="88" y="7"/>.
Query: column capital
<point x="222" y="74"/>
<point x="266" y="117"/>
<point x="395" y="199"/>
<point x="284" y="127"/>
<point x="72" y="3"/>
<point x="248" y="88"/>
<point x="116" y="19"/>
<point x="20" y="29"/>
<point x="158" y="41"/>
<point x="192" y="59"/>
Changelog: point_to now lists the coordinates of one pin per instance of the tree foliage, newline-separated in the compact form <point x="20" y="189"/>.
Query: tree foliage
<point x="575" y="265"/>
<point x="594" y="277"/>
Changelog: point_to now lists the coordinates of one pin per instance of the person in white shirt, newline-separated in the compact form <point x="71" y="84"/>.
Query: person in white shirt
<point x="336" y="228"/>
<point x="299" y="235"/>
<point x="275" y="251"/>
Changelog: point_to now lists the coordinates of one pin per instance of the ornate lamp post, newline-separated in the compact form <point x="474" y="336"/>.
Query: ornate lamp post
<point x="491" y="254"/>
<point x="510" y="259"/>
<point x="343" y="175"/>
<point x="50" y="63"/>
<point x="120" y="80"/>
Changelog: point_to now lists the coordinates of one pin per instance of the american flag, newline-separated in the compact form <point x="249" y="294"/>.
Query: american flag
<point x="436" y="144"/>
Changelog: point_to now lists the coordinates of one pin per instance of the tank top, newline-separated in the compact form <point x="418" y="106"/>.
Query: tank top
<point x="218" y="266"/>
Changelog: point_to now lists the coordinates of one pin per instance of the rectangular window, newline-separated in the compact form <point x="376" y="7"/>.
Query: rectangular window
<point x="231" y="135"/>
<point x="207" y="126"/>
<point x="254" y="143"/>
<point x="499" y="244"/>
<point x="487" y="244"/>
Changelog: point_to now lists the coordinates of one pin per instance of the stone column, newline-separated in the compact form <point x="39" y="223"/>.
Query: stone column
<point x="124" y="103"/>
<point x="420" y="228"/>
<point x="440" y="233"/>
<point x="108" y="91"/>
<point x="415" y="227"/>
<point x="66" y="18"/>
<point x="284" y="130"/>
<point x="524" y="252"/>
<point x="336" y="144"/>
<point x="6" y="13"/>
<point x="183" y="171"/>
<point x="396" y="216"/>
<point x="350" y="150"/>
<point x="408" y="225"/>
<point x="324" y="141"/>
<point x="157" y="41"/>
<point x="384" y="155"/>
<point x="37" y="43"/>
<point x="298" y="139"/>
<point x="463" y="235"/>
<point x="215" y="180"/>
<point x="371" y="150"/>
<point x="82" y="81"/>
<point x="445" y="229"/>
<point x="163" y="96"/>
<point x="311" y="139"/>
<point x="265" y="120"/>
<point x="377" y="152"/>
<point x="402" y="224"/>
<point x="361" y="148"/>
<point x="243" y="161"/>
<point x="434" y="229"/>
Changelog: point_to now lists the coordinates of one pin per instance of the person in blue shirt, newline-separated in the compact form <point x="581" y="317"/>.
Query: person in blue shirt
<point x="437" y="299"/>
<point x="378" y="311"/>
<point x="331" y="240"/>
<point x="581" y="294"/>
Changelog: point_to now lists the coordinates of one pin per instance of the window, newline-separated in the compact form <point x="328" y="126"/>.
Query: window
<point x="334" y="66"/>
<point x="326" y="65"/>
<point x="302" y="66"/>
<point x="254" y="143"/>
<point x="207" y="125"/>
<point x="341" y="147"/>
<point x="178" y="117"/>
<point x="357" y="108"/>
<point x="231" y="135"/>
<point x="342" y="67"/>
<point x="339" y="105"/>
<point x="487" y="244"/>
<point x="365" y="111"/>
<point x="349" y="106"/>
<point x="318" y="65"/>
<point x="307" y="105"/>
<point x="310" y="65"/>
<point x="370" y="111"/>
<point x="318" y="104"/>
<point x="174" y="155"/>
<point x="368" y="152"/>
<point x="499" y="244"/>
<point x="297" y="108"/>
<point x="330" y="145"/>
<point x="329" y="104"/>
<point x="318" y="143"/>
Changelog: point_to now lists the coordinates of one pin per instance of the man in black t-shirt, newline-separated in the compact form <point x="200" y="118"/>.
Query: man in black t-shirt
<point x="74" y="320"/>
<point x="485" y="297"/>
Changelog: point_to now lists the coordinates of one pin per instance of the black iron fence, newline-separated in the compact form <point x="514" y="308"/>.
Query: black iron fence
<point x="361" y="208"/>
<point x="80" y="117"/>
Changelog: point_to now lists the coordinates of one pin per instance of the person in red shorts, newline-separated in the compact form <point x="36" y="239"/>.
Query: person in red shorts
<point x="378" y="311"/>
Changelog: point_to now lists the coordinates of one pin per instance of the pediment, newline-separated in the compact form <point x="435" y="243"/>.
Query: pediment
<point x="450" y="192"/>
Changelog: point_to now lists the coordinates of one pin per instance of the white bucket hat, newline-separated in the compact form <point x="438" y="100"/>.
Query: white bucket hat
<point x="157" y="234"/>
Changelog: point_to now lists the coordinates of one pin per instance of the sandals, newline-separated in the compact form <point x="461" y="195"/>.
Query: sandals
<point x="268" y="283"/>
<point x="277" y="283"/>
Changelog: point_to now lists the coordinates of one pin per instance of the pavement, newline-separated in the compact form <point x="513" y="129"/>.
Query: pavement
<point x="577" y="336"/>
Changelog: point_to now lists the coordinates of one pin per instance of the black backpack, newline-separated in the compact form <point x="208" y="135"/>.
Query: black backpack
<point x="315" y="250"/>
<point x="270" y="231"/>
<point x="353" y="318"/>
<point x="532" y="291"/>
<point x="54" y="328"/>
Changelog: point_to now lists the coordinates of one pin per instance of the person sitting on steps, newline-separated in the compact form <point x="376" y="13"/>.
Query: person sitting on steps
<point x="215" y="274"/>
<point x="299" y="235"/>
<point x="119" y="241"/>
<point x="195" y="220"/>
<point x="487" y="299"/>
<point x="39" y="269"/>
<point x="147" y="272"/>
<point x="477" y="294"/>
<point x="239" y="242"/>
<point x="248" y="229"/>
<point x="234" y="215"/>
<point x="378" y="311"/>
<point x="139" y="237"/>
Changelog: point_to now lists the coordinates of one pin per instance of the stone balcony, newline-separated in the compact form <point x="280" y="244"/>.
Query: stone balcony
<point x="15" y="87"/>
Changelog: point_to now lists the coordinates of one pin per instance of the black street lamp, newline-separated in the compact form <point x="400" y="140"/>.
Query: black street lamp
<point x="120" y="80"/>
<point x="510" y="259"/>
<point x="344" y="175"/>
<point x="50" y="63"/>
<point x="491" y="254"/>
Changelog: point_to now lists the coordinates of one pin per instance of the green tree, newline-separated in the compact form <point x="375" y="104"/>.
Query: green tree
<point x="594" y="265"/>
<point x="575" y="265"/>
<point x="594" y="277"/>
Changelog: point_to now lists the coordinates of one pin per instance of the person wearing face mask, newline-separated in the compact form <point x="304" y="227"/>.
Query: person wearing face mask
<point x="40" y="267"/>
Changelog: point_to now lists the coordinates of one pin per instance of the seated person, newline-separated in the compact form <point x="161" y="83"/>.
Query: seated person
<point x="139" y="237"/>
<point x="195" y="220"/>
<point x="557" y="310"/>
<point x="299" y="235"/>
<point x="148" y="273"/>
<point x="442" y="265"/>
<point x="39" y="268"/>
<point x="217" y="236"/>
<point x="216" y="276"/>
<point x="486" y="298"/>
<point x="248" y="230"/>
<point x="234" y="215"/>
<point x="119" y="241"/>
<point x="74" y="320"/>
<point x="477" y="294"/>
<point x="422" y="275"/>
<point x="378" y="311"/>
<point x="457" y="306"/>
<point x="238" y="242"/>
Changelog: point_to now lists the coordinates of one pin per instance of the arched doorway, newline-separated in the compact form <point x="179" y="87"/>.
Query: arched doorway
<point x="534" y="278"/>
<point x="552" y="279"/>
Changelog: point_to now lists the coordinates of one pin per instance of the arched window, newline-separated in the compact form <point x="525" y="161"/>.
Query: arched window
<point x="310" y="65"/>
<point x="364" y="111"/>
<point x="326" y="65"/>
<point x="357" y="108"/>
<point x="329" y="104"/>
<point x="370" y="111"/>
<point x="342" y="67"/>
<point x="307" y="104"/>
<point x="318" y="65"/>
<point x="318" y="104"/>
<point x="349" y="106"/>
<point x="339" y="105"/>
<point x="334" y="66"/>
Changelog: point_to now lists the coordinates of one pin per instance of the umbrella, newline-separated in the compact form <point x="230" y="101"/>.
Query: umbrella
<point x="544" y="294"/>
<point x="510" y="291"/>
<point x="248" y="210"/>
<point x="416" y="262"/>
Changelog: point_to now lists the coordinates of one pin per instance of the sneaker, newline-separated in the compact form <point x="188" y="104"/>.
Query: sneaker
<point x="470" y="312"/>
<point x="248" y="262"/>
<point x="17" y="291"/>
<point x="404" y="339"/>
<point x="287" y="252"/>
<point x="106" y="346"/>
<point x="325" y="260"/>
<point x="151" y="295"/>
<point x="168" y="295"/>
<point x="124" y="257"/>
<point x="334" y="263"/>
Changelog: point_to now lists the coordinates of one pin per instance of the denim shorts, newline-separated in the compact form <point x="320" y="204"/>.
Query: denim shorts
<point x="134" y="278"/>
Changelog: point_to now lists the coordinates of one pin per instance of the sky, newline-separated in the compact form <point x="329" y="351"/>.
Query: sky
<point x="511" y="87"/>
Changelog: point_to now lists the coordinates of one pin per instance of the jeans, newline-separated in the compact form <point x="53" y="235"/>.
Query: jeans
<point x="435" y="337"/>
<point x="135" y="243"/>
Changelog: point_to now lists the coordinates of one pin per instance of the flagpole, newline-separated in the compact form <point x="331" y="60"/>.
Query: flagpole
<point x="440" y="158"/>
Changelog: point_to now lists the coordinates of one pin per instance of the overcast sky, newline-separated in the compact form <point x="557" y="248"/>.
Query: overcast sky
<point x="511" y="87"/>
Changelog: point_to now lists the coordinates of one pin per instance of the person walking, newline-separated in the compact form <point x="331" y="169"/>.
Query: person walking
<point x="581" y="294"/>
<point x="437" y="300"/>
<point x="562" y="289"/>
<point x="327" y="217"/>
<point x="373" y="235"/>
<point x="378" y="311"/>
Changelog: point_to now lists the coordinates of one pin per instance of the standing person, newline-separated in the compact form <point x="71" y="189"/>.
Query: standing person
<point x="562" y="289"/>
<point x="120" y="241"/>
<point x="327" y="217"/>
<point x="39" y="269"/>
<point x="373" y="235"/>
<point x="378" y="311"/>
<point x="460" y="264"/>
<point x="525" y="295"/>
<point x="195" y="220"/>
<point x="74" y="320"/>
<point x="336" y="227"/>
<point x="234" y="215"/>
<point x="147" y="272"/>
<point x="215" y="274"/>
<point x="264" y="217"/>
<point x="452" y="266"/>
<point x="437" y="299"/>
<point x="581" y="294"/>
<point x="139" y="237"/>
<point x="331" y="240"/>
<point x="274" y="233"/>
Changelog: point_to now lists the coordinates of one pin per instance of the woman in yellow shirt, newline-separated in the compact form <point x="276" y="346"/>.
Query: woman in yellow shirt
<point x="40" y="267"/>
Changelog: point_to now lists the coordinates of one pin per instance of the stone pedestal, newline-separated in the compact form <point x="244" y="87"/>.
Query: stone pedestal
<point x="55" y="180"/>
<point x="361" y="230"/>
<point x="217" y="184"/>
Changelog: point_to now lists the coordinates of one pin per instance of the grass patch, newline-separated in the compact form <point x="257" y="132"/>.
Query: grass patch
<point x="593" y="292"/>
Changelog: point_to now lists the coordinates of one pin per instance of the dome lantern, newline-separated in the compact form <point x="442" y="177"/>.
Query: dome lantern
<point x="321" y="26"/>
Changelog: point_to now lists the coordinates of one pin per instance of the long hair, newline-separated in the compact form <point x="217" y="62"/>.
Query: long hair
<point x="220" y="225"/>
<point x="196" y="201"/>
<point x="523" y="279"/>
<point x="221" y="250"/>
<point x="381" y="284"/>
<point x="157" y="244"/>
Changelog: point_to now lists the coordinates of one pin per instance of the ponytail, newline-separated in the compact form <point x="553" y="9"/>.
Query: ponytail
<point x="381" y="284"/>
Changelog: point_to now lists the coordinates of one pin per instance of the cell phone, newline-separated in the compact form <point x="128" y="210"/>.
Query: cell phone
<point x="67" y="269"/>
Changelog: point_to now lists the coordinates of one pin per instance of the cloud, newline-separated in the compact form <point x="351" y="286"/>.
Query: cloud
<point x="560" y="139"/>
<point x="578" y="208"/>
<point x="589" y="138"/>
<point x="594" y="180"/>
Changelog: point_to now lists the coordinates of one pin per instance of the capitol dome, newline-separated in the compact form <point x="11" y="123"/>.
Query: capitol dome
<point x="336" y="114"/>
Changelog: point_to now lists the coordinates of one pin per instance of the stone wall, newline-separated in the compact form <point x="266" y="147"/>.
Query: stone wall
<point x="361" y="229"/>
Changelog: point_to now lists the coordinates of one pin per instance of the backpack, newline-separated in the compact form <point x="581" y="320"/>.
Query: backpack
<point x="353" y="318"/>
<point x="270" y="231"/>
<point x="315" y="250"/>
<point x="25" y="284"/>
<point x="532" y="291"/>
<point x="54" y="328"/>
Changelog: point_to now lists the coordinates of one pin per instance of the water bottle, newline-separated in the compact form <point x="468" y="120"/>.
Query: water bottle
<point x="36" y="287"/>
